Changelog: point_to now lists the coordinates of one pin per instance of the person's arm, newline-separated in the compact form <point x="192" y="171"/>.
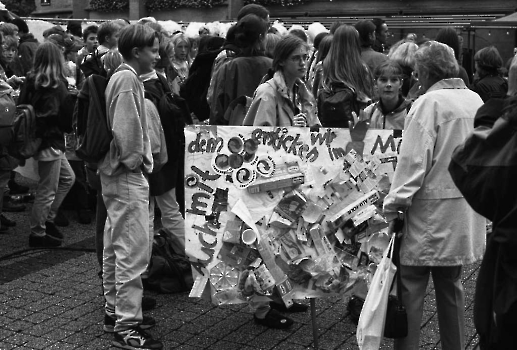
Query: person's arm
<point x="413" y="162"/>
<point x="262" y="111"/>
<point x="219" y="97"/>
<point x="127" y="129"/>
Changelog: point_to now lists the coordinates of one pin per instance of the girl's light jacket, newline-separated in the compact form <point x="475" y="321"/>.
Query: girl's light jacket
<point x="271" y="105"/>
<point x="441" y="229"/>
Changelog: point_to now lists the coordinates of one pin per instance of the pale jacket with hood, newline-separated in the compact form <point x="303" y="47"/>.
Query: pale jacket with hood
<point x="130" y="149"/>
<point x="393" y="120"/>
<point x="441" y="229"/>
<point x="272" y="106"/>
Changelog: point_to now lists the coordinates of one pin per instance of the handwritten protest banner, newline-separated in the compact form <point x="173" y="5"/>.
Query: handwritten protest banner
<point x="282" y="212"/>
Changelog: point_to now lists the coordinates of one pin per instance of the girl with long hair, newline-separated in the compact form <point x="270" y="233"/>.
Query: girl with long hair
<point x="46" y="90"/>
<point x="344" y="68"/>
<point x="317" y="73"/>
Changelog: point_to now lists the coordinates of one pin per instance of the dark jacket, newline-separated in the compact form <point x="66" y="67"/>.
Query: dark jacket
<point x="54" y="109"/>
<point x="195" y="88"/>
<point x="240" y="76"/>
<point x="496" y="286"/>
<point x="166" y="178"/>
<point x="26" y="50"/>
<point x="490" y="86"/>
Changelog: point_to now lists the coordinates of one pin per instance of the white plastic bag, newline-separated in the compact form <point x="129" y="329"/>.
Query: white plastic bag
<point x="370" y="328"/>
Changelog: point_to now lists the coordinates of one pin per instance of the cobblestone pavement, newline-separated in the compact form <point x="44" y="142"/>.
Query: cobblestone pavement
<point x="51" y="299"/>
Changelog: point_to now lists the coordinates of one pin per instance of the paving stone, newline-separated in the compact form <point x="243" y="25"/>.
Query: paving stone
<point x="39" y="343"/>
<point x="54" y="301"/>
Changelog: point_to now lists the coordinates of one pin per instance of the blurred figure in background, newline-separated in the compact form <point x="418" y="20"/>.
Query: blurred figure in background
<point x="488" y="81"/>
<point x="404" y="55"/>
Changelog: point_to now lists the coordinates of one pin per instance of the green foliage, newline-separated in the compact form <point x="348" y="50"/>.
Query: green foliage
<point x="274" y="2"/>
<point x="109" y="5"/>
<point x="22" y="8"/>
<point x="160" y="5"/>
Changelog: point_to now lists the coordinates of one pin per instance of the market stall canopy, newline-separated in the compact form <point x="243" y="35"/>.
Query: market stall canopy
<point x="506" y="22"/>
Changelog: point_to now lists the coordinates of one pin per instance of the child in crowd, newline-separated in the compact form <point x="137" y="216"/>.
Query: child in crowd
<point x="391" y="109"/>
<point x="9" y="53"/>
<point x="125" y="190"/>
<point x="46" y="90"/>
<point x="107" y="36"/>
<point x="181" y="62"/>
<point x="27" y="45"/>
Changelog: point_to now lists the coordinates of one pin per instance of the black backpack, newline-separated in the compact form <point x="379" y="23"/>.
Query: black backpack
<point x="169" y="272"/>
<point x="92" y="64"/>
<point x="336" y="104"/>
<point x="90" y="120"/>
<point x="173" y="110"/>
<point x="22" y="133"/>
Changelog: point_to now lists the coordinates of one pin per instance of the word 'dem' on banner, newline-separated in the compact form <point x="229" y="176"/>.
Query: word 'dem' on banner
<point x="284" y="213"/>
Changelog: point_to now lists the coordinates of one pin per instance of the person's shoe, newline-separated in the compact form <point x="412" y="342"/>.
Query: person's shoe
<point x="354" y="306"/>
<point x="61" y="220"/>
<point x="52" y="230"/>
<point x="12" y="205"/>
<point x="84" y="217"/>
<point x="15" y="188"/>
<point x="274" y="319"/>
<point x="43" y="241"/>
<point x="3" y="228"/>
<point x="296" y="307"/>
<point x="109" y="323"/>
<point x="135" y="338"/>
<point x="7" y="222"/>
<point x="148" y="303"/>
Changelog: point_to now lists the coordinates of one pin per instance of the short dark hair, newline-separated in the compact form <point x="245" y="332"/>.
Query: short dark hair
<point x="285" y="48"/>
<point x="249" y="30"/>
<point x="255" y="9"/>
<point x="489" y="60"/>
<point x="365" y="28"/>
<point x="21" y="24"/>
<point x="449" y="36"/>
<point x="74" y="28"/>
<point x="318" y="38"/>
<point x="378" y="22"/>
<point x="93" y="29"/>
<point x="135" y="35"/>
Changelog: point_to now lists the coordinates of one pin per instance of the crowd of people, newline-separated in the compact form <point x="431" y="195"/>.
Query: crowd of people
<point x="253" y="76"/>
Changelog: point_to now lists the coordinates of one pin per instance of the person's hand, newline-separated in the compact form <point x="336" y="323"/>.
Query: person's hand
<point x="300" y="120"/>
<point x="396" y="226"/>
<point x="358" y="118"/>
<point x="15" y="81"/>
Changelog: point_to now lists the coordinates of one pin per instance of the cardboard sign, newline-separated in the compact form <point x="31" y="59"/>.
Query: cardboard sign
<point x="300" y="195"/>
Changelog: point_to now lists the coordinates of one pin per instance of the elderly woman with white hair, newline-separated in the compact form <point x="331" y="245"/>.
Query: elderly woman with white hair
<point x="441" y="232"/>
